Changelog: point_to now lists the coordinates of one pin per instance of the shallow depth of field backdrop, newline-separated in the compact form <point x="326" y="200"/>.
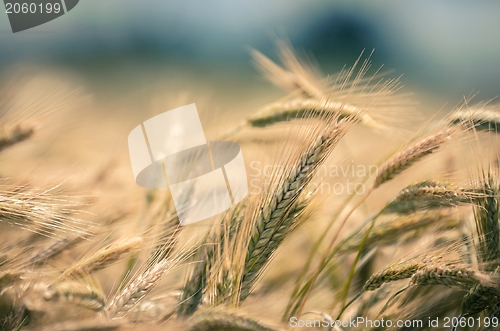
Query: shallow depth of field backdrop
<point x="126" y="53"/>
<point x="120" y="62"/>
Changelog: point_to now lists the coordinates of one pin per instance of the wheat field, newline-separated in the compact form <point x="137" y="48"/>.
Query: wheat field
<point x="357" y="217"/>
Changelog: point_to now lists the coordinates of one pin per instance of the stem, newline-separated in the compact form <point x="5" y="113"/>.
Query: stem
<point x="309" y="261"/>
<point x="326" y="257"/>
<point x="392" y="298"/>
<point x="348" y="304"/>
<point x="345" y="291"/>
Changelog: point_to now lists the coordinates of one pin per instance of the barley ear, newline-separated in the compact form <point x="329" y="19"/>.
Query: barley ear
<point x="410" y="155"/>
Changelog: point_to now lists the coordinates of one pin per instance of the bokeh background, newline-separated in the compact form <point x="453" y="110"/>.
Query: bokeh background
<point x="136" y="58"/>
<point x="444" y="48"/>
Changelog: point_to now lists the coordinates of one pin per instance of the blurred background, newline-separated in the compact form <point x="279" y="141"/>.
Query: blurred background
<point x="443" y="48"/>
<point x="129" y="54"/>
<point x="108" y="65"/>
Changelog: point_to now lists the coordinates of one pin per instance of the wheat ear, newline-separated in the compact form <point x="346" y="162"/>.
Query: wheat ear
<point x="103" y="258"/>
<point x="478" y="299"/>
<point x="299" y="108"/>
<point x="430" y="194"/>
<point x="295" y="75"/>
<point x="276" y="207"/>
<point x="138" y="288"/>
<point x="486" y="118"/>
<point x="40" y="212"/>
<point x="462" y="276"/>
<point x="486" y="216"/>
<point x="409" y="156"/>
<point x="142" y="284"/>
<point x="392" y="273"/>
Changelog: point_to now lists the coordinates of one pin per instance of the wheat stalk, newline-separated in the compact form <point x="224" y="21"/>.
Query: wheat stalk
<point x="40" y="212"/>
<point x="400" y="228"/>
<point x="53" y="249"/>
<point x="299" y="108"/>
